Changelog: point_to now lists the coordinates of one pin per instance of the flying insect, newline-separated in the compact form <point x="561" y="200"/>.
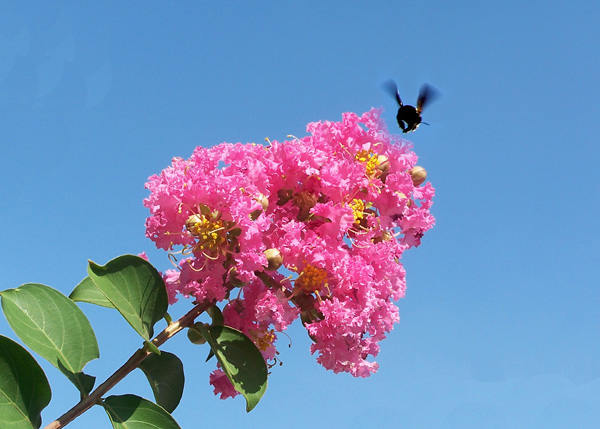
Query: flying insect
<point x="409" y="117"/>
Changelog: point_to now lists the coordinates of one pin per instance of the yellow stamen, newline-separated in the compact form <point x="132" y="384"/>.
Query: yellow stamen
<point x="371" y="160"/>
<point x="213" y="234"/>
<point x="359" y="209"/>
<point x="312" y="279"/>
<point x="263" y="339"/>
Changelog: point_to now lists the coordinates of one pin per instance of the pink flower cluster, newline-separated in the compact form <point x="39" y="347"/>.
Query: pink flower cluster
<point x="312" y="228"/>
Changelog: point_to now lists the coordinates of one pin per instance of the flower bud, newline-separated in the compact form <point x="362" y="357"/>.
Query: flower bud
<point x="384" y="163"/>
<point x="274" y="258"/>
<point x="418" y="175"/>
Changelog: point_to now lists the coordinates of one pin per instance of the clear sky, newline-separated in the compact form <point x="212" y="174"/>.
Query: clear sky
<point x="499" y="327"/>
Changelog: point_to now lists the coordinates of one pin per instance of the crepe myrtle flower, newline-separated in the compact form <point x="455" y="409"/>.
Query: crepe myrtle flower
<point x="311" y="228"/>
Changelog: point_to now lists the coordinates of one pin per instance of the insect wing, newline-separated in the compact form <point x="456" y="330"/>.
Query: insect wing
<point x="426" y="95"/>
<point x="391" y="88"/>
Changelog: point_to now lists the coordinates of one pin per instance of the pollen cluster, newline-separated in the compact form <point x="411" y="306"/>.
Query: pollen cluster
<point x="312" y="279"/>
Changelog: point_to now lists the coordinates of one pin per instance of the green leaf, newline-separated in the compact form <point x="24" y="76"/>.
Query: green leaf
<point x="83" y="382"/>
<point x="135" y="289"/>
<point x="165" y="375"/>
<point x="133" y="412"/>
<point x="241" y="360"/>
<point x="149" y="345"/>
<point x="194" y="335"/>
<point x="216" y="315"/>
<point x="51" y="325"/>
<point x="24" y="389"/>
<point x="87" y="291"/>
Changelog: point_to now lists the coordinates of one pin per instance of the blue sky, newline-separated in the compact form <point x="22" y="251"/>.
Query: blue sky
<point x="499" y="327"/>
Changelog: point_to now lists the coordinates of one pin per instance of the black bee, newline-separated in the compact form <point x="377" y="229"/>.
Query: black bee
<point x="408" y="117"/>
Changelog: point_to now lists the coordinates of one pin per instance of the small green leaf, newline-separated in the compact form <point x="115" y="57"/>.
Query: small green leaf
<point x="151" y="347"/>
<point x="165" y="375"/>
<point x="87" y="291"/>
<point x="83" y="382"/>
<point x="195" y="336"/>
<point x="51" y="325"/>
<point x="135" y="289"/>
<point x="241" y="360"/>
<point x="24" y="389"/>
<point x="133" y="412"/>
<point x="215" y="314"/>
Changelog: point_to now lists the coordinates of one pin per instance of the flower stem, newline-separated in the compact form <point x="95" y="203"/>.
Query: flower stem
<point x="132" y="363"/>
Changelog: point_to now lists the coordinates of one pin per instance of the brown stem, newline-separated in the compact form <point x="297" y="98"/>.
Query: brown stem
<point x="269" y="281"/>
<point x="132" y="363"/>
